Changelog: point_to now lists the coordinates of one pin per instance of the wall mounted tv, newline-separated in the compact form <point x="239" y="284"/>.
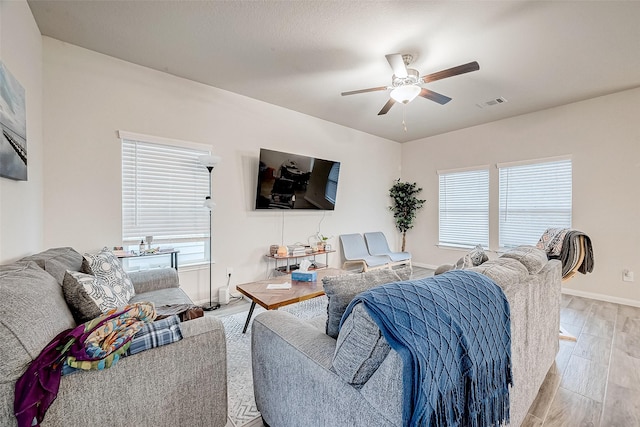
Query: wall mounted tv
<point x="293" y="181"/>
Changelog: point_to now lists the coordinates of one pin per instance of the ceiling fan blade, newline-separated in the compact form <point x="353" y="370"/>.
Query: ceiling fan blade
<point x="372" y="89"/>
<point x="450" y="72"/>
<point x="434" y="96"/>
<point x="387" y="106"/>
<point x="397" y="65"/>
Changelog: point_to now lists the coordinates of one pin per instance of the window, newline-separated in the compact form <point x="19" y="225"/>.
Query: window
<point x="464" y="208"/>
<point x="163" y="191"/>
<point x="332" y="183"/>
<point x="533" y="197"/>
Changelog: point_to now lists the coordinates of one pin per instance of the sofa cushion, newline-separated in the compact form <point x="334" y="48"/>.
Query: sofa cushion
<point x="503" y="271"/>
<point x="155" y="278"/>
<point x="81" y="291"/>
<point x="532" y="258"/>
<point x="56" y="261"/>
<point x="33" y="313"/>
<point x="166" y="296"/>
<point x="105" y="266"/>
<point x="340" y="290"/>
<point x="360" y="348"/>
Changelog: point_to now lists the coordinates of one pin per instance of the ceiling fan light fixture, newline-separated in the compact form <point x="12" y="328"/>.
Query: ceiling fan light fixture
<point x="405" y="94"/>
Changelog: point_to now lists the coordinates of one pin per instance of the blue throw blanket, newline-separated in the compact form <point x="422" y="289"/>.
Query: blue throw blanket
<point x="452" y="332"/>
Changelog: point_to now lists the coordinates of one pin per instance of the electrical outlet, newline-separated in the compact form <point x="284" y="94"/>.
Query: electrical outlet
<point x="627" y="275"/>
<point x="229" y="271"/>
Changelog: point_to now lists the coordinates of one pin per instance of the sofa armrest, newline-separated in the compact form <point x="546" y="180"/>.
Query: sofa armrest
<point x="299" y="334"/>
<point x="184" y="383"/>
<point x="154" y="279"/>
<point x="292" y="380"/>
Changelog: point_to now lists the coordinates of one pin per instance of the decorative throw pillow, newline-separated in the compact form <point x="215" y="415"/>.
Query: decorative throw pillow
<point x="360" y="348"/>
<point x="477" y="256"/>
<point x="473" y="258"/>
<point x="531" y="257"/>
<point x="340" y="290"/>
<point x="88" y="296"/>
<point x="105" y="266"/>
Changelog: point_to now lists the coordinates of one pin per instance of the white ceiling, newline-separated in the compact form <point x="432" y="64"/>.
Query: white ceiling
<point x="302" y="54"/>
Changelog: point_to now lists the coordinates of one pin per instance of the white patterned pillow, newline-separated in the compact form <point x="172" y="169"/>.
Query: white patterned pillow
<point x="88" y="296"/>
<point x="105" y="266"/>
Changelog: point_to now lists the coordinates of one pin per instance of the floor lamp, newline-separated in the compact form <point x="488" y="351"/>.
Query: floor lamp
<point x="210" y="162"/>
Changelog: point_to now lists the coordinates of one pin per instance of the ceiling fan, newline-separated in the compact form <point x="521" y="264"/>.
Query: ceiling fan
<point x="405" y="82"/>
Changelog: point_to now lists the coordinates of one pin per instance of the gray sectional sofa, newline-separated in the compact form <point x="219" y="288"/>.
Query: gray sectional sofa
<point x="184" y="383"/>
<point x="299" y="380"/>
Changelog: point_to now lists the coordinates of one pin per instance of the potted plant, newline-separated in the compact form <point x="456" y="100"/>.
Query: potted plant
<point x="405" y="206"/>
<point x="322" y="241"/>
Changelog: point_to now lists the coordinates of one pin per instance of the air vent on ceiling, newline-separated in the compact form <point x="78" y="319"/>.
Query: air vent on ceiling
<point x="492" y="102"/>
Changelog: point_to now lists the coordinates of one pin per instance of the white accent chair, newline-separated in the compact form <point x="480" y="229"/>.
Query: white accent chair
<point x="377" y="245"/>
<point x="355" y="252"/>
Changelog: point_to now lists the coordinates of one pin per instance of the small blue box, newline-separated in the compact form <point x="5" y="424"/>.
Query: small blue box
<point x="304" y="276"/>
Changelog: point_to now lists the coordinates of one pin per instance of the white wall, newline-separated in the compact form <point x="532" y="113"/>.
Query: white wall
<point x="602" y="136"/>
<point x="89" y="96"/>
<point x="21" y="201"/>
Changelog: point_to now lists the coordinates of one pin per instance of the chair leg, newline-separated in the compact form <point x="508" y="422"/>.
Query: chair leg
<point x="362" y="264"/>
<point x="565" y="335"/>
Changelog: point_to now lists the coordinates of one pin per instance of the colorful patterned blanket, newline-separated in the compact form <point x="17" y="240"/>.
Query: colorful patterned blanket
<point x="97" y="344"/>
<point x="452" y="332"/>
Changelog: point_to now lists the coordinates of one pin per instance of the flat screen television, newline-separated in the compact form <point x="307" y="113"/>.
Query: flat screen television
<point x="294" y="181"/>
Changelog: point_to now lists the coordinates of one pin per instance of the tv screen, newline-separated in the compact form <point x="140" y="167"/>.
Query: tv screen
<point x="293" y="181"/>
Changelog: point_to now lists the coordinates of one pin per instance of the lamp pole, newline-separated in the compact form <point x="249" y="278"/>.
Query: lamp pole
<point x="210" y="162"/>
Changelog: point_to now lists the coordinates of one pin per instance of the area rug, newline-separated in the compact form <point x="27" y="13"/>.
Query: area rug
<point x="241" y="402"/>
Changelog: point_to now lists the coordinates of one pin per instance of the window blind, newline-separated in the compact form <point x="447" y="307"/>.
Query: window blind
<point x="163" y="192"/>
<point x="533" y="198"/>
<point x="464" y="208"/>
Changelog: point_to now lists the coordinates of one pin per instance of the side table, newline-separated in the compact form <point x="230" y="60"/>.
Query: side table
<point x="173" y="254"/>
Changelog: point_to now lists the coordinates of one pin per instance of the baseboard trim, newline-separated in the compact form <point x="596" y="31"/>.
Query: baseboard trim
<point x="423" y="265"/>
<point x="601" y="297"/>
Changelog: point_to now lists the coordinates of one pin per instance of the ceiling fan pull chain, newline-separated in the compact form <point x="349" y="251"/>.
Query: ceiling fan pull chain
<point x="404" y="110"/>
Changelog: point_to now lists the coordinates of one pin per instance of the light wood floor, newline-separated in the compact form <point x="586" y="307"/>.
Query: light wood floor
<point x="595" y="380"/>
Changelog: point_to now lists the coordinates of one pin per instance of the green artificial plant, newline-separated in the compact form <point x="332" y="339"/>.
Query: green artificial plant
<point x="405" y="206"/>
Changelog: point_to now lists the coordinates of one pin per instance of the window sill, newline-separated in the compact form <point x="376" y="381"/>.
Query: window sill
<point x="457" y="247"/>
<point x="194" y="266"/>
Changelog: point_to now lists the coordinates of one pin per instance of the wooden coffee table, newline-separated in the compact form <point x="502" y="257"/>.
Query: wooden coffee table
<point x="272" y="299"/>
